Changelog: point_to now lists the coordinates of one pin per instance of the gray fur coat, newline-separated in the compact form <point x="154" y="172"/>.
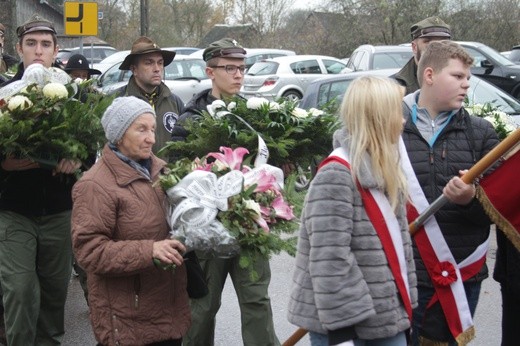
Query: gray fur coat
<point x="342" y="277"/>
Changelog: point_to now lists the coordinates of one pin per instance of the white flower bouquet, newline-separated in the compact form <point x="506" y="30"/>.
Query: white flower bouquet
<point x="502" y="122"/>
<point x="291" y="134"/>
<point x="41" y="119"/>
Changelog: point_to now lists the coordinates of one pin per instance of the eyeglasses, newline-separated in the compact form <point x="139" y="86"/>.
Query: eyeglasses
<point x="231" y="69"/>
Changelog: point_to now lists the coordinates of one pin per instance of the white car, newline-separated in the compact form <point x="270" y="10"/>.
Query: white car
<point x="185" y="76"/>
<point x="255" y="54"/>
<point x="109" y="61"/>
<point x="287" y="76"/>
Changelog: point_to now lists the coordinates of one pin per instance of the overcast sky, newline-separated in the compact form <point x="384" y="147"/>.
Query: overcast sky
<point x="306" y="4"/>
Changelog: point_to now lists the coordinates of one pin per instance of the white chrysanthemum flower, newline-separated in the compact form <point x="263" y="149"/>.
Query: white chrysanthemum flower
<point x="55" y="91"/>
<point x="18" y="101"/>
<point x="79" y="80"/>
<point x="300" y="113"/>
<point x="274" y="106"/>
<point x="476" y="109"/>
<point x="231" y="106"/>
<point x="252" y="205"/>
<point x="316" y="112"/>
<point x="491" y="119"/>
<point x="256" y="102"/>
<point x="215" y="106"/>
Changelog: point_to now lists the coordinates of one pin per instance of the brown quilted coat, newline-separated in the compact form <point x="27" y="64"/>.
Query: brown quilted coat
<point x="116" y="217"/>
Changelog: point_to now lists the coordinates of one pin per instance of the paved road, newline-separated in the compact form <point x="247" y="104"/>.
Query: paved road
<point x="487" y="319"/>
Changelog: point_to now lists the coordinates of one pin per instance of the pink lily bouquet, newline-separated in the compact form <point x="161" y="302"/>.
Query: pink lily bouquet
<point x="225" y="208"/>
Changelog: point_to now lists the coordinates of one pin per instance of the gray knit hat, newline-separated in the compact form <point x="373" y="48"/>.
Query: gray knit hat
<point x="121" y="114"/>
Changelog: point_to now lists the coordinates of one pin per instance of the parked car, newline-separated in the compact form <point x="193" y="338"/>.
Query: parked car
<point x="105" y="64"/>
<point x="62" y="57"/>
<point x="183" y="50"/>
<point x="514" y="56"/>
<point x="108" y="62"/>
<point x="506" y="53"/>
<point x="494" y="67"/>
<point x="94" y="54"/>
<point x="185" y="76"/>
<point x="287" y="76"/>
<point x="255" y="54"/>
<point x="329" y="91"/>
<point x="369" y="57"/>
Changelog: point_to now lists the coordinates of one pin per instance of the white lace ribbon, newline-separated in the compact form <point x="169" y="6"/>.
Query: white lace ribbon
<point x="194" y="204"/>
<point x="39" y="75"/>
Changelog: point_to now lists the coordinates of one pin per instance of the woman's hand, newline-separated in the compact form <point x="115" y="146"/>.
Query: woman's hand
<point x="169" y="251"/>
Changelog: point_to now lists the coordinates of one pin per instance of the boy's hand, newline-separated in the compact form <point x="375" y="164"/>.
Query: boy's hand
<point x="458" y="192"/>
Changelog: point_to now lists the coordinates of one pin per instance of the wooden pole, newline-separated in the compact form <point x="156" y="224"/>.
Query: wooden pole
<point x="473" y="173"/>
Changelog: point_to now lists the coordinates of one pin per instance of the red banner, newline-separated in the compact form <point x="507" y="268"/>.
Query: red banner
<point x="499" y="193"/>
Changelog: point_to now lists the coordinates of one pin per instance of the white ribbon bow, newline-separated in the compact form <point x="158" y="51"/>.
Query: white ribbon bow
<point x="198" y="197"/>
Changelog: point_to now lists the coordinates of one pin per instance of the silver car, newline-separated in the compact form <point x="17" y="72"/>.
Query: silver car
<point x="287" y="76"/>
<point x="185" y="77"/>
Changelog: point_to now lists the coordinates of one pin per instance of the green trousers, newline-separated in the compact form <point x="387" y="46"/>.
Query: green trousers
<point x="35" y="268"/>
<point x="255" y="306"/>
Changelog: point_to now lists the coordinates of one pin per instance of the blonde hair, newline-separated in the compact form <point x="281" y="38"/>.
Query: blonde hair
<point x="438" y="54"/>
<point x="373" y="117"/>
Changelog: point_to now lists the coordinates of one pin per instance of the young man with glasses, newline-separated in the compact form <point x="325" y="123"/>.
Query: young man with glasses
<point x="226" y="67"/>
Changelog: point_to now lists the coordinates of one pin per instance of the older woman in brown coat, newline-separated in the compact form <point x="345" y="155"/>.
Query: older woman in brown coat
<point x="119" y="226"/>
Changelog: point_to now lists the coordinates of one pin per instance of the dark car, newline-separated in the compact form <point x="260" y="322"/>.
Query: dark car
<point x="494" y="67"/>
<point x="329" y="91"/>
<point x="369" y="57"/>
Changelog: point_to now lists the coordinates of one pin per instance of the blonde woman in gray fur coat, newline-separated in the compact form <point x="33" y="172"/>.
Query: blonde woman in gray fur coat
<point x="354" y="281"/>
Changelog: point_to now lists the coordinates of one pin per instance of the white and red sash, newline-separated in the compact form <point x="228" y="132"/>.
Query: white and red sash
<point x="387" y="227"/>
<point x="447" y="276"/>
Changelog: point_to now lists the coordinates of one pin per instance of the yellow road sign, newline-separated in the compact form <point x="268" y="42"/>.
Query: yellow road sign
<point x="81" y="18"/>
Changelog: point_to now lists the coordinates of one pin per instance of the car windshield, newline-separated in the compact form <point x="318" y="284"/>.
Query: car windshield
<point x="482" y="92"/>
<point x="178" y="69"/>
<point x="384" y="60"/>
<point x="332" y="92"/>
<point x="262" y="68"/>
<point x="116" y="57"/>
<point x="185" y="69"/>
<point x="502" y="60"/>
